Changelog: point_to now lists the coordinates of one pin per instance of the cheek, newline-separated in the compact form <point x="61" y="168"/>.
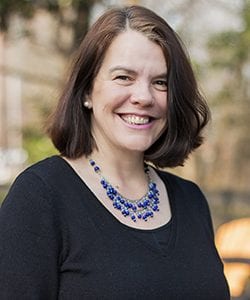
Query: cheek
<point x="163" y="107"/>
<point x="163" y="104"/>
<point x="108" y="96"/>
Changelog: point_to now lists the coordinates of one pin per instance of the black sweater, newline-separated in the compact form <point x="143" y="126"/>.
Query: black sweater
<point x="57" y="241"/>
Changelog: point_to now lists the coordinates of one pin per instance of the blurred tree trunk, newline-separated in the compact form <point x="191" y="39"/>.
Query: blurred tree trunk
<point x="72" y="15"/>
<point x="230" y="58"/>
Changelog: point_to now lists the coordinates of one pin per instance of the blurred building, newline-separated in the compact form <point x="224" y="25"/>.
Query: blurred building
<point x="30" y="72"/>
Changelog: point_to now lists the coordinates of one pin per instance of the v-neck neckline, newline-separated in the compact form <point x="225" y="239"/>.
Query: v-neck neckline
<point x="147" y="237"/>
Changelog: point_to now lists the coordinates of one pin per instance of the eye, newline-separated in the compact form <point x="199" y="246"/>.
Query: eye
<point x="123" y="79"/>
<point x="160" y="84"/>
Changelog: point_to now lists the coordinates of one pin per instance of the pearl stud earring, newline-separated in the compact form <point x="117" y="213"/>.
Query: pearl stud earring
<point x="86" y="104"/>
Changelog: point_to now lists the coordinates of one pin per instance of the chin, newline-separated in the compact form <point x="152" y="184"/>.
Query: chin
<point x="138" y="147"/>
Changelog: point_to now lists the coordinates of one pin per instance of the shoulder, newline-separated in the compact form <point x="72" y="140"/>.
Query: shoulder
<point x="180" y="184"/>
<point x="34" y="183"/>
<point x="189" y="196"/>
<point x="186" y="192"/>
<point x="30" y="203"/>
<point x="42" y="173"/>
<point x="29" y="182"/>
<point x="50" y="166"/>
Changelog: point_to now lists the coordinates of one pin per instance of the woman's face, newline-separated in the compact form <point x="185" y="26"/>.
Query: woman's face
<point x="129" y="95"/>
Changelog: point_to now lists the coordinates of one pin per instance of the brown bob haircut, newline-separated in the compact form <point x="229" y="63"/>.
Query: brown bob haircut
<point x="187" y="113"/>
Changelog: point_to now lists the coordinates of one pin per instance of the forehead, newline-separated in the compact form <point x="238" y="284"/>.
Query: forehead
<point x="134" y="49"/>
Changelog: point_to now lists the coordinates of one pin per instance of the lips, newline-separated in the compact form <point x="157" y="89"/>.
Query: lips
<point x="135" y="119"/>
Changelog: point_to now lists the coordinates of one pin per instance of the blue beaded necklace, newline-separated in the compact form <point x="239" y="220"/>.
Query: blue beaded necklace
<point x="142" y="208"/>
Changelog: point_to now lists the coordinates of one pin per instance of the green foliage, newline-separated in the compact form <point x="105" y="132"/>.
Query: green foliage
<point x="3" y="192"/>
<point x="7" y="7"/>
<point x="231" y="48"/>
<point x="27" y="7"/>
<point x="230" y="57"/>
<point x="229" y="51"/>
<point x="224" y="49"/>
<point x="37" y="145"/>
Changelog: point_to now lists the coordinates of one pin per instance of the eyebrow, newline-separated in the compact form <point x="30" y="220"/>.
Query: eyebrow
<point x="130" y="71"/>
<point x="122" y="68"/>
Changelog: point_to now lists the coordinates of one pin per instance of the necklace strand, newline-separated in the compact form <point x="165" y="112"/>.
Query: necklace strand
<point x="142" y="208"/>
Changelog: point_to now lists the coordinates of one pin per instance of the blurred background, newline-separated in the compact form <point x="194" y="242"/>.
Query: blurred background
<point x="37" y="39"/>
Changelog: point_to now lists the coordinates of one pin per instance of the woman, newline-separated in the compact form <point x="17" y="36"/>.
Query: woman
<point x="97" y="222"/>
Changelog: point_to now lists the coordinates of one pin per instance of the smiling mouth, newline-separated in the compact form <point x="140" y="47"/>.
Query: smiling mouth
<point x="136" y="120"/>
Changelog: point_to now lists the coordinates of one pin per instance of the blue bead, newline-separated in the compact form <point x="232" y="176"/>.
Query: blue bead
<point x="96" y="168"/>
<point x="152" y="185"/>
<point x="111" y="190"/>
<point x="104" y="183"/>
<point x="147" y="204"/>
<point x="155" y="207"/>
<point x="92" y="163"/>
<point x="150" y="194"/>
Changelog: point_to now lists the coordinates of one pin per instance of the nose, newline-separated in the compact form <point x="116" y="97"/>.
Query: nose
<point x="142" y="94"/>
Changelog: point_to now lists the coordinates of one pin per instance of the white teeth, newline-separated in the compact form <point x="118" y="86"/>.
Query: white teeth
<point x="136" y="120"/>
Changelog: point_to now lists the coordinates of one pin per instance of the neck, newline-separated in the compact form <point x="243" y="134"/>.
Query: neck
<point x="126" y="173"/>
<point x="121" y="166"/>
<point x="126" y="178"/>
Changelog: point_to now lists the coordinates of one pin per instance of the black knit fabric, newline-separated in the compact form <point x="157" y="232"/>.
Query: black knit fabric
<point x="57" y="241"/>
